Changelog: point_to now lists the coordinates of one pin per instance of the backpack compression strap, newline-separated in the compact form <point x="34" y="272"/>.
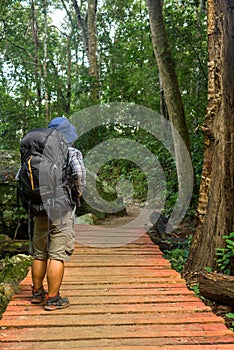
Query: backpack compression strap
<point x="30" y="173"/>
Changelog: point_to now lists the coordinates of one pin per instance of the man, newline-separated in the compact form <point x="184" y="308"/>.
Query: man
<point x="51" y="252"/>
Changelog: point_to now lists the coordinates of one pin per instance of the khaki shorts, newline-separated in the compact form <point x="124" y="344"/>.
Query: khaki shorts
<point x="56" y="241"/>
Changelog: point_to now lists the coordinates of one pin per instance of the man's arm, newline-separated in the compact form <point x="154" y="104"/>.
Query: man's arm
<point x="78" y="172"/>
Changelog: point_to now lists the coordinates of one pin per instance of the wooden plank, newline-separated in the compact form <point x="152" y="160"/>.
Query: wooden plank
<point x="115" y="292"/>
<point x="198" y="343"/>
<point x="28" y="309"/>
<point x="133" y="318"/>
<point x="34" y="334"/>
<point x="126" y="299"/>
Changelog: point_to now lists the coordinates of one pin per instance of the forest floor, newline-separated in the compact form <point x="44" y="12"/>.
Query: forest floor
<point x="132" y="210"/>
<point x="184" y="230"/>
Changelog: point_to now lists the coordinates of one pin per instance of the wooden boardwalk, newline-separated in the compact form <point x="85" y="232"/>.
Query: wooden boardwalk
<point x="123" y="298"/>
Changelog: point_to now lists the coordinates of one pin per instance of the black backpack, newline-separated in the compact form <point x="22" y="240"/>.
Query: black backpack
<point x="43" y="183"/>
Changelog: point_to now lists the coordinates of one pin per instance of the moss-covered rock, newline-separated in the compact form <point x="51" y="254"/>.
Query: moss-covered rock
<point x="87" y="219"/>
<point x="12" y="271"/>
<point x="10" y="247"/>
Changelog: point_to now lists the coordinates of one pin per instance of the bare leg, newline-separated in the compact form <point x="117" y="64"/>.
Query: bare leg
<point x="55" y="272"/>
<point x="38" y="272"/>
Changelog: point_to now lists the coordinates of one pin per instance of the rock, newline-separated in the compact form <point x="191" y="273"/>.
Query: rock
<point x="12" y="271"/>
<point x="6" y="292"/>
<point x="10" y="247"/>
<point x="4" y="238"/>
<point x="87" y="219"/>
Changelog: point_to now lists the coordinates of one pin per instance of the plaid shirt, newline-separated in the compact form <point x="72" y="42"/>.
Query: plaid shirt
<point x="76" y="170"/>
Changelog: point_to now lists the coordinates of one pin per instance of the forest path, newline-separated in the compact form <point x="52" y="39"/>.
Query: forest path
<point x="122" y="298"/>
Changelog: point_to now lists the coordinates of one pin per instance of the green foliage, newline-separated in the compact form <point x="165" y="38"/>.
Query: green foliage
<point x="124" y="170"/>
<point x="178" y="256"/>
<point x="231" y="316"/>
<point x="208" y="269"/>
<point x="127" y="56"/>
<point x="14" y="269"/>
<point x="196" y="290"/>
<point x="225" y="255"/>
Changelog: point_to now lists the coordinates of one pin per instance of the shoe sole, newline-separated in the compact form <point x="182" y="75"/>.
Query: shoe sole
<point x="38" y="302"/>
<point x="55" y="307"/>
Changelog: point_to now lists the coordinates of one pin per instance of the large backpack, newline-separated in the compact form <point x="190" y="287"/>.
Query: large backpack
<point x="43" y="184"/>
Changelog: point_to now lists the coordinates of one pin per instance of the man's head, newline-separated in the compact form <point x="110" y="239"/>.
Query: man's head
<point x="63" y="125"/>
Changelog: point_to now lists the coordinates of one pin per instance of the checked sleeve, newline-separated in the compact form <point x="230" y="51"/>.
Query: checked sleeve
<point x="77" y="172"/>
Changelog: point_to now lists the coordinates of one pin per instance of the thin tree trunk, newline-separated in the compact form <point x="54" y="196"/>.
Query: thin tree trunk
<point x="67" y="106"/>
<point x="92" y="51"/>
<point x="166" y="69"/>
<point x="37" y="68"/>
<point x="88" y="31"/>
<point x="215" y="213"/>
<point x="45" y="63"/>
<point x="174" y="106"/>
<point x="82" y="26"/>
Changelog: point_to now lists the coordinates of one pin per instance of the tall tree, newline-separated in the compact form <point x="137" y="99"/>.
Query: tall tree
<point x="37" y="63"/>
<point x="45" y="73"/>
<point x="82" y="25"/>
<point x="166" y="69"/>
<point x="215" y="213"/>
<point x="92" y="48"/>
<point x="173" y="100"/>
<point x="87" y="26"/>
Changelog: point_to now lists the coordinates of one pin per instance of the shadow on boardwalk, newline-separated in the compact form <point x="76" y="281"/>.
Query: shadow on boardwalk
<point x="122" y="298"/>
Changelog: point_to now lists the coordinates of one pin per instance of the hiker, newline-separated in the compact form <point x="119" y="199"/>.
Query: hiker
<point x="53" y="237"/>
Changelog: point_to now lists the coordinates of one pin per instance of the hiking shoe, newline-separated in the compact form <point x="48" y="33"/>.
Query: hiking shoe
<point x="38" y="296"/>
<point x="56" y="303"/>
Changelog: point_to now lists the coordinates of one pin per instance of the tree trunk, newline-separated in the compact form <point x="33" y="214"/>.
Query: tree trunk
<point x="174" y="107"/>
<point x="92" y="51"/>
<point x="45" y="63"/>
<point x="67" y="105"/>
<point x="88" y="30"/>
<point x="166" y="69"/>
<point x="217" y="287"/>
<point x="82" y="26"/>
<point x="215" y="213"/>
<point x="37" y="66"/>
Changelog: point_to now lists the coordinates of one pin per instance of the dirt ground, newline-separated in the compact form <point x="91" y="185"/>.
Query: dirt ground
<point x="133" y="211"/>
<point x="185" y="228"/>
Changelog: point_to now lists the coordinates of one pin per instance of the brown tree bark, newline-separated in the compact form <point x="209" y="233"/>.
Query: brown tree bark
<point x="174" y="106"/>
<point x="67" y="105"/>
<point x="215" y="213"/>
<point x="88" y="30"/>
<point x="37" y="65"/>
<point x="166" y="69"/>
<point x="217" y="287"/>
<point x="45" y="73"/>
<point x="92" y="48"/>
